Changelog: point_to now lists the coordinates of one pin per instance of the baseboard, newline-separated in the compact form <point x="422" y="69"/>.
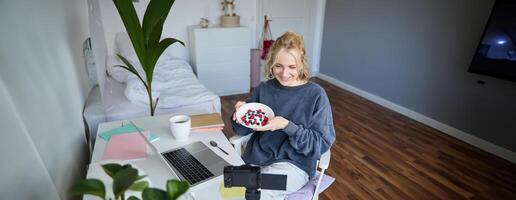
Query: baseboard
<point x="461" y="135"/>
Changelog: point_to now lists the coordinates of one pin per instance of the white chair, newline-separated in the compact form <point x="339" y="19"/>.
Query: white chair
<point x="240" y="142"/>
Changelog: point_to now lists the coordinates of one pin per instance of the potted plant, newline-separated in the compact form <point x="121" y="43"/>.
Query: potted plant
<point x="146" y="38"/>
<point x="126" y="178"/>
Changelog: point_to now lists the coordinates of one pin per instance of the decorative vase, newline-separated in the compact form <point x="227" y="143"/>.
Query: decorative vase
<point x="230" y="21"/>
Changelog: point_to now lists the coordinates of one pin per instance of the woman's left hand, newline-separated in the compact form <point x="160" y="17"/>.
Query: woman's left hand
<point x="274" y="124"/>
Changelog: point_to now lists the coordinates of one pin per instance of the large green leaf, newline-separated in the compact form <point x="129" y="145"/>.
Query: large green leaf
<point x="176" y="188"/>
<point x="139" y="186"/>
<point x="132" y="25"/>
<point x="155" y="35"/>
<point x="123" y="179"/>
<point x="160" y="48"/>
<point x="145" y="37"/>
<point x="154" y="194"/>
<point x="133" y="198"/>
<point x="156" y="52"/>
<point x="140" y="177"/>
<point x="111" y="169"/>
<point x="155" y="15"/>
<point x="131" y="68"/>
<point x="89" y="186"/>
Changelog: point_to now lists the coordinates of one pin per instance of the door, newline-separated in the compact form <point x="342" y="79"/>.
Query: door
<point x="290" y="15"/>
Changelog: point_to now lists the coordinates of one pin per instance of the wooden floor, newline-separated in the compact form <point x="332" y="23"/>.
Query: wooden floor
<point x="380" y="154"/>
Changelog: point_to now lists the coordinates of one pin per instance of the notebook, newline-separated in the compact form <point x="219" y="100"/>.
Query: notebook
<point x="206" y="121"/>
<point x="126" y="147"/>
<point x="126" y="128"/>
<point x="207" y="129"/>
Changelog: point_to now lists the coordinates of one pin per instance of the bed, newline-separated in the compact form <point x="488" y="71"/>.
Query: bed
<point x="118" y="107"/>
<point x="180" y="92"/>
<point x="124" y="96"/>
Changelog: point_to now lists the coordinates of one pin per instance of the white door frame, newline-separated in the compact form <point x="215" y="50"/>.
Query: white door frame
<point x="318" y="20"/>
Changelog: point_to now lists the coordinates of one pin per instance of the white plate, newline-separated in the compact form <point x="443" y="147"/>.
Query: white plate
<point x="242" y="111"/>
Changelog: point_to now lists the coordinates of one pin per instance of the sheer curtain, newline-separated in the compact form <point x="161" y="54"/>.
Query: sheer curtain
<point x="43" y="87"/>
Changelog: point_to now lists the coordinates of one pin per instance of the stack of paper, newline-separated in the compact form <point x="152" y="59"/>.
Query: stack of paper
<point x="126" y="146"/>
<point x="126" y="128"/>
<point x="125" y="143"/>
<point x="207" y="122"/>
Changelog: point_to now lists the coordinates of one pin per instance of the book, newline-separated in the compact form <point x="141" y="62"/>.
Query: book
<point x="207" y="129"/>
<point x="206" y="121"/>
<point x="126" y="146"/>
<point x="126" y="128"/>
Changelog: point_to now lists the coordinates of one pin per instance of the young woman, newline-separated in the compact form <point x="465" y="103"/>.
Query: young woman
<point x="293" y="141"/>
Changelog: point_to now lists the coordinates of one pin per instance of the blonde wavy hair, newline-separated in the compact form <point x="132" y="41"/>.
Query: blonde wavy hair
<point x="293" y="44"/>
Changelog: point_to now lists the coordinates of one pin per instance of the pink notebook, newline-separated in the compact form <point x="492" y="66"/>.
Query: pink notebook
<point x="126" y="146"/>
<point x="207" y="129"/>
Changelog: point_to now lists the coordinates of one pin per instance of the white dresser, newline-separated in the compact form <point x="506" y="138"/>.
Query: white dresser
<point x="221" y="58"/>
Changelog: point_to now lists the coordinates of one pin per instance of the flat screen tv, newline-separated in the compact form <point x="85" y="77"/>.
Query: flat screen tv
<point x="496" y="52"/>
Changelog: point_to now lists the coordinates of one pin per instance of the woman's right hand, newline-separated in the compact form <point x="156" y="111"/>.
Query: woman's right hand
<point x="237" y="105"/>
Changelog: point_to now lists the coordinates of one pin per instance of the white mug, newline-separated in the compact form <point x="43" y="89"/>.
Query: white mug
<point x="180" y="127"/>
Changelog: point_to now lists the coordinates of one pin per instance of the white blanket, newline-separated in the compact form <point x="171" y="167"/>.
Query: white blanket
<point x="174" y="83"/>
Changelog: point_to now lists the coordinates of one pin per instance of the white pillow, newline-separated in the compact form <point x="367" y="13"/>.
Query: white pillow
<point x="115" y="71"/>
<point x="124" y="47"/>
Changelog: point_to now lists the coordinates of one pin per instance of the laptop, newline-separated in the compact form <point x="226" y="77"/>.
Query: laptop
<point x="195" y="163"/>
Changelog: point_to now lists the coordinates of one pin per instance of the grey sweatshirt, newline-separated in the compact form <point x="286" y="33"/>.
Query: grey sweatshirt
<point x="309" y="133"/>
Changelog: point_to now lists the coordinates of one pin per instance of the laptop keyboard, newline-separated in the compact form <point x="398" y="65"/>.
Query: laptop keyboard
<point x="189" y="167"/>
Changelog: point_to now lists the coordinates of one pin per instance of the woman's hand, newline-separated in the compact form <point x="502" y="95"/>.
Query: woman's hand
<point x="237" y="105"/>
<point x="274" y="124"/>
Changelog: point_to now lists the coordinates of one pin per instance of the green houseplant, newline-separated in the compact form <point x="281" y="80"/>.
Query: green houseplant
<point x="126" y="178"/>
<point x="145" y="38"/>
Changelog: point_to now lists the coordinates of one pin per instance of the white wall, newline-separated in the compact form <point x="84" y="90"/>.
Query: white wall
<point x="43" y="87"/>
<point x="20" y="160"/>
<point x="184" y="13"/>
<point x="416" y="54"/>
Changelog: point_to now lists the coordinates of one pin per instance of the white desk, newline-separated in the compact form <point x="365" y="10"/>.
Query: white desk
<point x="153" y="167"/>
